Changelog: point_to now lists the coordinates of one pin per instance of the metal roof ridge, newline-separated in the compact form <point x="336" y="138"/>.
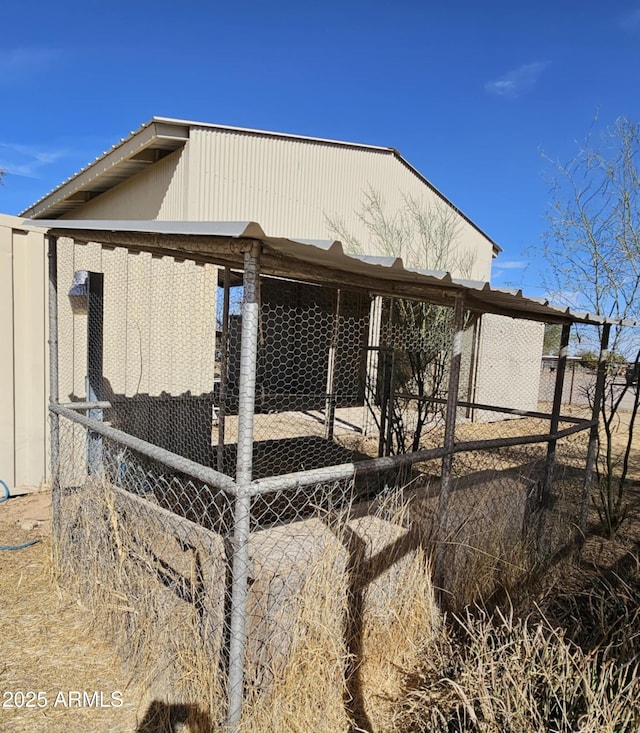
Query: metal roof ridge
<point x="272" y="133"/>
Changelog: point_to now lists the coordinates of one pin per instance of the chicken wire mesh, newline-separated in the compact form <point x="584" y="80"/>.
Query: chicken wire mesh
<point x="167" y="523"/>
<point x="145" y="549"/>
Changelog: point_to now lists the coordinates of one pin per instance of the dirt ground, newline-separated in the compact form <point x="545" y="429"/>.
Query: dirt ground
<point x="57" y="674"/>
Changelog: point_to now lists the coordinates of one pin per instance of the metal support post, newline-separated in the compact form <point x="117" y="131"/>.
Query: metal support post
<point x="242" y="515"/>
<point x="473" y="366"/>
<point x="54" y="419"/>
<point x="449" y="437"/>
<point x="593" y="433"/>
<point x="545" y="497"/>
<point x="330" y="401"/>
<point x="386" y="400"/>
<point x="369" y="420"/>
<point x="224" y="368"/>
<point x="391" y="403"/>
<point x="95" y="330"/>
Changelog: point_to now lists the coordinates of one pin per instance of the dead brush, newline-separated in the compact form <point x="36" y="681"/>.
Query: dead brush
<point x="353" y="618"/>
<point x="496" y="673"/>
<point x="399" y="613"/>
<point x="362" y="616"/>
<point x="306" y="690"/>
<point x="150" y="612"/>
<point x="603" y="610"/>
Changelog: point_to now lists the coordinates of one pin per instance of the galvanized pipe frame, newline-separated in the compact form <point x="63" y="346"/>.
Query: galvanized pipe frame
<point x="449" y="437"/>
<point x="248" y="489"/>
<point x="555" y="415"/>
<point x="243" y="488"/>
<point x="54" y="422"/>
<point x="309" y="477"/>
<point x="172" y="460"/>
<point x="493" y="408"/>
<point x="244" y="468"/>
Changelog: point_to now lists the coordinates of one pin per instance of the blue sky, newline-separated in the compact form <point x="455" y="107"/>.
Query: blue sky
<point x="471" y="93"/>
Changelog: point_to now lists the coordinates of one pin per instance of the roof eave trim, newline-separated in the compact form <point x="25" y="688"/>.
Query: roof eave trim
<point x="150" y="133"/>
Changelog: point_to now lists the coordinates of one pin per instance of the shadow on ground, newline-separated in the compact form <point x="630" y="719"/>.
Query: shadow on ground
<point x="163" y="717"/>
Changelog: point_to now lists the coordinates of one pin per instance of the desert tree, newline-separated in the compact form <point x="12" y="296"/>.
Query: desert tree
<point x="592" y="247"/>
<point x="417" y="335"/>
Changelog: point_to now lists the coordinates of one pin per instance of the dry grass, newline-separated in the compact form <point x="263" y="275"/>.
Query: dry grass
<point x="309" y="686"/>
<point x="151" y="595"/>
<point x="362" y="616"/>
<point x="47" y="645"/>
<point x="338" y="626"/>
<point x="563" y="656"/>
<point x="499" y="674"/>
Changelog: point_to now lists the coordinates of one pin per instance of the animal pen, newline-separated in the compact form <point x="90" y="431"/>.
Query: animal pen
<point x="229" y="410"/>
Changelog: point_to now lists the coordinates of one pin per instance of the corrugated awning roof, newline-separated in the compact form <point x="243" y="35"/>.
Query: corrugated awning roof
<point x="318" y="261"/>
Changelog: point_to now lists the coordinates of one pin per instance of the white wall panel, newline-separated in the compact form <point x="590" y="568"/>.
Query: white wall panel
<point x="509" y="356"/>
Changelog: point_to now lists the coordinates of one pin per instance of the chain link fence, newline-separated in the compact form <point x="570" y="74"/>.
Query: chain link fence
<point x="249" y="481"/>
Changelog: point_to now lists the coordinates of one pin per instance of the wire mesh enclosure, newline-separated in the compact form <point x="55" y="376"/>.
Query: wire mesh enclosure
<point x="256" y="463"/>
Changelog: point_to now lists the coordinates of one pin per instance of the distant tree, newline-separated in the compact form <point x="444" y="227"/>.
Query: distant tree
<point x="425" y="237"/>
<point x="592" y="246"/>
<point x="551" y="343"/>
<point x="588" y="359"/>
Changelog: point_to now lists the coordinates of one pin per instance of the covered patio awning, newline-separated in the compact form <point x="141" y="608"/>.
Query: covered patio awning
<point x="318" y="261"/>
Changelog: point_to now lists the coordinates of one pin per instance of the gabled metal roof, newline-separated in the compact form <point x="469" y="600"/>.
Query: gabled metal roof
<point x="162" y="135"/>
<point x="323" y="262"/>
<point x="125" y="159"/>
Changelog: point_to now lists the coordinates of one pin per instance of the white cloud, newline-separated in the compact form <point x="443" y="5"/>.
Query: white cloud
<point x="501" y="267"/>
<point x="517" y="82"/>
<point x="16" y="64"/>
<point x="631" y="20"/>
<point x="511" y="264"/>
<point x="25" y="160"/>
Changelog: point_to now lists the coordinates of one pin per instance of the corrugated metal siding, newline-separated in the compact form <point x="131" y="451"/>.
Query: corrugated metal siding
<point x="159" y="323"/>
<point x="30" y="342"/>
<point x="156" y="193"/>
<point x="23" y="367"/>
<point x="292" y="186"/>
